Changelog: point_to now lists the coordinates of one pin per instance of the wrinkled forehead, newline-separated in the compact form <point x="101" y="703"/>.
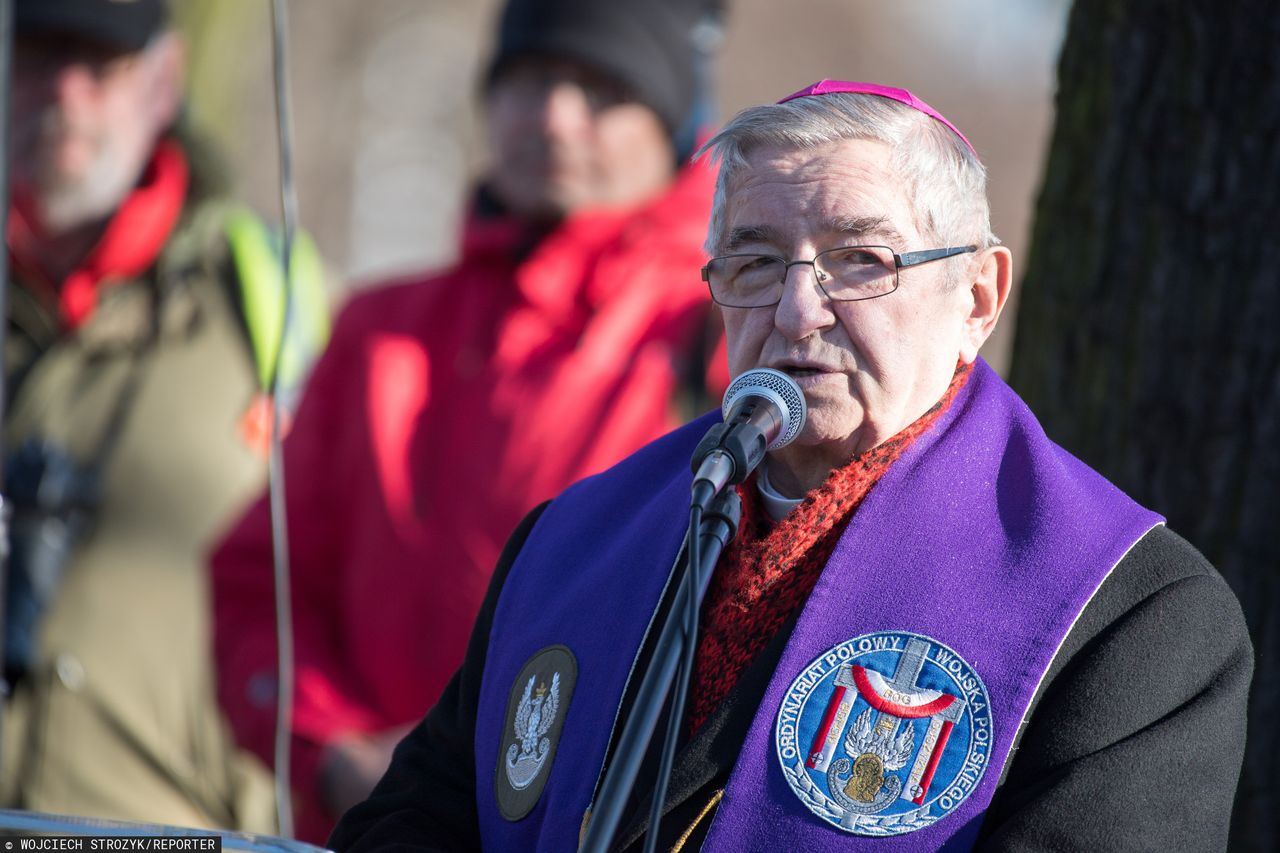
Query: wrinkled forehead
<point x="845" y="189"/>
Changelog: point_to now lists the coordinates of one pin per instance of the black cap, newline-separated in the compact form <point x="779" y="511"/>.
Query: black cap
<point x="647" y="45"/>
<point x="124" y="24"/>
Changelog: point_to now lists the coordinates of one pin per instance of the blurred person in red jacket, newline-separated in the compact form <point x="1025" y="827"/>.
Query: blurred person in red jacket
<point x="450" y="404"/>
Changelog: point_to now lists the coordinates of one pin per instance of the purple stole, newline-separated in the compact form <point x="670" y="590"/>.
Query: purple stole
<point x="984" y="537"/>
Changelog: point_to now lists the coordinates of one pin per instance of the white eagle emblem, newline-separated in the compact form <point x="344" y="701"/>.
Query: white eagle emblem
<point x="894" y="751"/>
<point x="860" y="784"/>
<point x="534" y="718"/>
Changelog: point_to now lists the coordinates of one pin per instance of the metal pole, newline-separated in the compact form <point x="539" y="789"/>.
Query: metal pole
<point x="276" y="479"/>
<point x="6" y="84"/>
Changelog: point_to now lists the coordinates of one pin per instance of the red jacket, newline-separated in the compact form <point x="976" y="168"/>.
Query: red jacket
<point x="443" y="410"/>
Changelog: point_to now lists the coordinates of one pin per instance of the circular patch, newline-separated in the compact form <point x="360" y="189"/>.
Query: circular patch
<point x="884" y="734"/>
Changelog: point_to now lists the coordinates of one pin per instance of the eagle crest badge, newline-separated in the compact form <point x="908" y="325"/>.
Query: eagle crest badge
<point x="884" y="734"/>
<point x="536" y="708"/>
<point x="534" y="716"/>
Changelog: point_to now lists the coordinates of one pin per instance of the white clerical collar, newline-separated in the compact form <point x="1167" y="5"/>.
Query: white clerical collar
<point x="776" y="504"/>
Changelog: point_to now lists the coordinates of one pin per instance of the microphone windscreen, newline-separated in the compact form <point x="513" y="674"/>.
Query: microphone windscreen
<point x="778" y="388"/>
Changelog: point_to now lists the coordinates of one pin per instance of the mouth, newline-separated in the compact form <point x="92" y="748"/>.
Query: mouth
<point x="800" y="371"/>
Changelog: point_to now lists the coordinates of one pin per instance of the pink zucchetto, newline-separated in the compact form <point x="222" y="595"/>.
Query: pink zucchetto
<point x="832" y="87"/>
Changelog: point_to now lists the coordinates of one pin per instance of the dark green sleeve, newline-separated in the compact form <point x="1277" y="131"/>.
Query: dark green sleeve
<point x="1136" y="737"/>
<point x="427" y="798"/>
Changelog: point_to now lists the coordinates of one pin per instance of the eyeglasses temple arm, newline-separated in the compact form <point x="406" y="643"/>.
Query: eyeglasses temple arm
<point x="911" y="259"/>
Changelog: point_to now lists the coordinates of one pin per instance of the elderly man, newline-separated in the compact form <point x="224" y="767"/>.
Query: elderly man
<point x="936" y="629"/>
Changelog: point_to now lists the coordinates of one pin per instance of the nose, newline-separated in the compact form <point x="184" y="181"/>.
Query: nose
<point x="804" y="308"/>
<point x="73" y="85"/>
<point x="565" y="110"/>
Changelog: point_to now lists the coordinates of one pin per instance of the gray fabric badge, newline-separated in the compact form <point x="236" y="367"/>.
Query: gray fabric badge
<point x="536" y="709"/>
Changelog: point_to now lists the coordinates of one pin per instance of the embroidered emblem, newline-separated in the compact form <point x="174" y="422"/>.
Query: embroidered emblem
<point x="884" y="734"/>
<point x="536" y="708"/>
<point x="533" y="718"/>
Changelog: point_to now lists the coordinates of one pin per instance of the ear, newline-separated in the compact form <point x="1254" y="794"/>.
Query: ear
<point x="166" y="59"/>
<point x="989" y="292"/>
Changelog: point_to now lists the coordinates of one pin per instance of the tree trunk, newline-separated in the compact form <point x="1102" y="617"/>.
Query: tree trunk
<point x="1148" y="338"/>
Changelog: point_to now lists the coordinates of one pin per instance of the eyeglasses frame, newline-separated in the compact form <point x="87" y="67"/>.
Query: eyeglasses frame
<point x="900" y="262"/>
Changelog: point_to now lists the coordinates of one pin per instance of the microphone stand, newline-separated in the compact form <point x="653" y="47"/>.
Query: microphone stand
<point x="719" y="524"/>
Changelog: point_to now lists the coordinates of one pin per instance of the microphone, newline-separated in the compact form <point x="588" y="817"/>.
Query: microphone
<point x="763" y="410"/>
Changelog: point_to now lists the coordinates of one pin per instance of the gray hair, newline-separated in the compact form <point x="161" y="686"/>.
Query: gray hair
<point x="945" y="181"/>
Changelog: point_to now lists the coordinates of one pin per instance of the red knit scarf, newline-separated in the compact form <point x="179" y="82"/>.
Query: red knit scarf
<point x="768" y="571"/>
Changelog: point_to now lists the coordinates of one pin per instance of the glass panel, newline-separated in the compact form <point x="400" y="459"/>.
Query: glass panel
<point x="858" y="272"/>
<point x="746" y="280"/>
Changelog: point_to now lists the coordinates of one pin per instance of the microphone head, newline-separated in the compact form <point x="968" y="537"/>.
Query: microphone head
<point x="776" y="387"/>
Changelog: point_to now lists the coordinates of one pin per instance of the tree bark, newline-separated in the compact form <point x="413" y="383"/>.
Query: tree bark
<point x="1148" y="338"/>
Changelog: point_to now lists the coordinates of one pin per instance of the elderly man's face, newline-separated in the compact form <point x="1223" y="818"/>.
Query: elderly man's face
<point x="564" y="138"/>
<point x="867" y="368"/>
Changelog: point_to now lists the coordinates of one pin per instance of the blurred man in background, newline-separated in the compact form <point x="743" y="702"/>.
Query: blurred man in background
<point x="133" y="428"/>
<point x="450" y="404"/>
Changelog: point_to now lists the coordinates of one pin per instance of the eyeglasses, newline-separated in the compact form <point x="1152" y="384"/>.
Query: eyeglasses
<point x="846" y="274"/>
